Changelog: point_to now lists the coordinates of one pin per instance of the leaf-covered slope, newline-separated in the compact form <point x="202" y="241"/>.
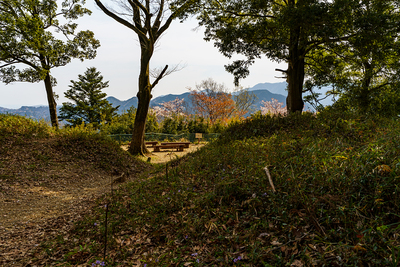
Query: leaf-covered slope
<point x="30" y="147"/>
<point x="49" y="179"/>
<point x="336" y="202"/>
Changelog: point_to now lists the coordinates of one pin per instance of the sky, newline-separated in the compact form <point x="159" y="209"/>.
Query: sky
<point x="118" y="62"/>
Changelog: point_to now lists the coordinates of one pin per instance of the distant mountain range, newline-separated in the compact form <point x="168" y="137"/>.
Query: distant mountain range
<point x="262" y="95"/>
<point x="275" y="88"/>
<point x="40" y="112"/>
<point x="263" y="91"/>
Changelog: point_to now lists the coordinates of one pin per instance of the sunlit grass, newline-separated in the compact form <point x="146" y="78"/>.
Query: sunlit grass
<point x="15" y="125"/>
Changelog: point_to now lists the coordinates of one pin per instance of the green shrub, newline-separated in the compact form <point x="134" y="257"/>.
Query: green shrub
<point x="12" y="126"/>
<point x="198" y="125"/>
<point x="169" y="126"/>
<point x="120" y="124"/>
<point x="152" y="125"/>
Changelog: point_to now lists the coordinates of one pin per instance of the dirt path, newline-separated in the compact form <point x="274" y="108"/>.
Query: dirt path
<point x="26" y="202"/>
<point x="33" y="209"/>
<point x="169" y="154"/>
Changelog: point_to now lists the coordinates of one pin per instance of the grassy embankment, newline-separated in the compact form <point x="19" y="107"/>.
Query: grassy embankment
<point x="31" y="149"/>
<point x="337" y="201"/>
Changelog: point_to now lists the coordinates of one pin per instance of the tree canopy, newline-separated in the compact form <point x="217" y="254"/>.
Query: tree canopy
<point x="88" y="101"/>
<point x="244" y="101"/>
<point x="37" y="36"/>
<point x="212" y="100"/>
<point x="364" y="68"/>
<point x="298" y="32"/>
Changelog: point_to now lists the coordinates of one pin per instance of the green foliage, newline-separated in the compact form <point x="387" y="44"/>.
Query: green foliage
<point x="84" y="142"/>
<point x="174" y="125"/>
<point x="123" y="123"/>
<point x="382" y="102"/>
<point x="32" y="151"/>
<point x="364" y="70"/>
<point x="351" y="45"/>
<point x="169" y="126"/>
<point x="120" y="124"/>
<point x="270" y="28"/>
<point x="26" y="38"/>
<point x="385" y="101"/>
<point x="89" y="103"/>
<point x="151" y="123"/>
<point x="198" y="125"/>
<point x="217" y="127"/>
<point x="337" y="200"/>
<point x="12" y="126"/>
<point x="265" y="125"/>
<point x="79" y="131"/>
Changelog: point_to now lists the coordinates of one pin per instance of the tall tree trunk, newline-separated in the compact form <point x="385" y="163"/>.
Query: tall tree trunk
<point x="52" y="102"/>
<point x="295" y="74"/>
<point x="49" y="92"/>
<point x="364" y="93"/>
<point x="144" y="96"/>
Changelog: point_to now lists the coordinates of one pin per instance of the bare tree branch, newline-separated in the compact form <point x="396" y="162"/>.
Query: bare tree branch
<point x="174" y="15"/>
<point x="8" y="64"/>
<point x="284" y="71"/>
<point x="159" y="77"/>
<point x="269" y="178"/>
<point x="159" y="15"/>
<point x="142" y="7"/>
<point x="155" y="73"/>
<point x="121" y="20"/>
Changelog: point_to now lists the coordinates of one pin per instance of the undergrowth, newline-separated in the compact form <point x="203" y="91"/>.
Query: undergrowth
<point x="336" y="202"/>
<point x="29" y="149"/>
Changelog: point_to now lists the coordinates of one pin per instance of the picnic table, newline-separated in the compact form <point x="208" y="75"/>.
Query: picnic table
<point x="151" y="143"/>
<point x="179" y="147"/>
<point x="177" y="143"/>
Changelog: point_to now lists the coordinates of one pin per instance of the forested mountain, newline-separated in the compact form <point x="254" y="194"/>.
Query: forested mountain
<point x="263" y="91"/>
<point x="35" y="112"/>
<point x="262" y="95"/>
<point x="124" y="105"/>
<point x="275" y="88"/>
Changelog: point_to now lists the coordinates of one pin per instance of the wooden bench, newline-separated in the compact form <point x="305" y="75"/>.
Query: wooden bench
<point x="148" y="143"/>
<point x="151" y="143"/>
<point x="179" y="147"/>
<point x="177" y="143"/>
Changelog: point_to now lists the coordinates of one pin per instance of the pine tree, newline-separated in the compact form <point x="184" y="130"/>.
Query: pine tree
<point x="89" y="103"/>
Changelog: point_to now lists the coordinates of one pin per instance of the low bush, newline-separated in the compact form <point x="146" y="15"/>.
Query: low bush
<point x="12" y="126"/>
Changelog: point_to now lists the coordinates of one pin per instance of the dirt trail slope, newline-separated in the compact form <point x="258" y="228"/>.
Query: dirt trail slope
<point x="47" y="185"/>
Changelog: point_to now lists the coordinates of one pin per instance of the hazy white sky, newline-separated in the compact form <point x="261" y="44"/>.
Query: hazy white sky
<point x="118" y="61"/>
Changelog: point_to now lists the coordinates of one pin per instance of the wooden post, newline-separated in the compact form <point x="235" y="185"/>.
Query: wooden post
<point x="198" y="136"/>
<point x="105" y="234"/>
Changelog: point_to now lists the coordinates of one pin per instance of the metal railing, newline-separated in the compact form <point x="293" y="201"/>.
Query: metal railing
<point x="161" y="137"/>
